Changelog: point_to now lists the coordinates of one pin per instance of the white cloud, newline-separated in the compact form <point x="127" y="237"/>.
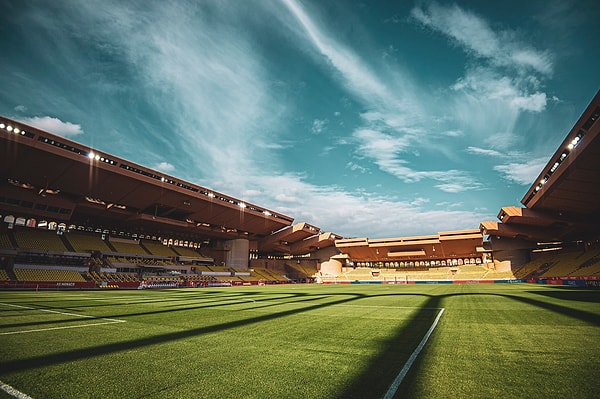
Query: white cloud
<point x="419" y="201"/>
<point x="319" y="125"/>
<point x="535" y="102"/>
<point x="202" y="73"/>
<point x="353" y="214"/>
<point x="489" y="85"/>
<point x="503" y="76"/>
<point x="54" y="125"/>
<point x="359" y="78"/>
<point x="356" y="167"/>
<point x="453" y="133"/>
<point x="20" y="108"/>
<point x="384" y="148"/>
<point x="164" y="167"/>
<point x="476" y="36"/>
<point x="522" y="172"/>
<point x="485" y="152"/>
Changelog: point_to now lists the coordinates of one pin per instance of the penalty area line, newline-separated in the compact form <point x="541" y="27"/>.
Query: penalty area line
<point x="107" y="320"/>
<point x="398" y="380"/>
<point x="13" y="392"/>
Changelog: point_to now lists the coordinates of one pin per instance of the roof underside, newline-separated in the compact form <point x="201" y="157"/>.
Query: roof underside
<point x="562" y="204"/>
<point x="47" y="176"/>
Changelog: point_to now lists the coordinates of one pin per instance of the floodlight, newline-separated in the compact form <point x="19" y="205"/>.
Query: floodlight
<point x="9" y="128"/>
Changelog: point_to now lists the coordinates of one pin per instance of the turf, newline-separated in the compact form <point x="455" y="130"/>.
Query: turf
<point x="302" y="341"/>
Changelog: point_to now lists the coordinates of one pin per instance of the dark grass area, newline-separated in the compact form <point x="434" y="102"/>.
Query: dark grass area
<point x="301" y="341"/>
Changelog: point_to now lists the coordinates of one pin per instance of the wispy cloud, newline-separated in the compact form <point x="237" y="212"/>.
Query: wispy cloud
<point x="164" y="167"/>
<point x="54" y="125"/>
<point x="202" y="73"/>
<point x="356" y="167"/>
<point x="517" y="167"/>
<point x="514" y="91"/>
<point x="359" y="78"/>
<point x="353" y="214"/>
<point x="522" y="173"/>
<point x="485" y="151"/>
<point x="319" y="125"/>
<point x="474" y="34"/>
<point x="503" y="77"/>
<point x="384" y="149"/>
<point x="393" y="121"/>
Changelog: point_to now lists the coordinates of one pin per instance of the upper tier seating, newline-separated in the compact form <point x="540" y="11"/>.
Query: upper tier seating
<point x="39" y="239"/>
<point x="158" y="249"/>
<point x="86" y="242"/>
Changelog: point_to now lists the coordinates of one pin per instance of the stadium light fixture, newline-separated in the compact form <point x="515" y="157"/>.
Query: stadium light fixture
<point x="241" y="205"/>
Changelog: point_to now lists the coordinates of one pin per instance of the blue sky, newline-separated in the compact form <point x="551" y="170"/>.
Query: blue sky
<point x="371" y="119"/>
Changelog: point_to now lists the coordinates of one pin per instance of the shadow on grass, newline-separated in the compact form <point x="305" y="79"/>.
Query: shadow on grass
<point x="390" y="360"/>
<point x="570" y="294"/>
<point x="69" y="356"/>
<point x="373" y="380"/>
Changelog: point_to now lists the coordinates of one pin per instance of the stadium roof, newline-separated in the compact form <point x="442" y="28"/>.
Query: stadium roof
<point x="563" y="202"/>
<point x="47" y="176"/>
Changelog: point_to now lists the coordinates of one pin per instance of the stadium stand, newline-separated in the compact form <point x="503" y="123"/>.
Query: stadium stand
<point x="39" y="239"/>
<point x="48" y="275"/>
<point x="184" y="251"/>
<point x="156" y="248"/>
<point x="4" y="275"/>
<point x="130" y="247"/>
<point x="82" y="242"/>
<point x="5" y="242"/>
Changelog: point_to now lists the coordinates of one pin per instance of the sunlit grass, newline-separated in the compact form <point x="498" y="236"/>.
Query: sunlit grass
<point x="302" y="342"/>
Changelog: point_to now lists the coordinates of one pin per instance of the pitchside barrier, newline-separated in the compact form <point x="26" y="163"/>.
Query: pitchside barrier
<point x="425" y="281"/>
<point x="47" y="285"/>
<point x="587" y="281"/>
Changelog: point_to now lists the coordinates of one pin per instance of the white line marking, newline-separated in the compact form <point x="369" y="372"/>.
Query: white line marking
<point x="388" y="307"/>
<point x="13" y="392"/>
<point x="398" y="380"/>
<point x="108" y="321"/>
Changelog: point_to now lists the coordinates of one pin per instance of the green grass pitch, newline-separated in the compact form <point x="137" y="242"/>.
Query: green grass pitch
<point x="303" y="341"/>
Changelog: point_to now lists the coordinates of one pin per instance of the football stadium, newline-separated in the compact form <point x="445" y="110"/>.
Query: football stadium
<point x="118" y="280"/>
